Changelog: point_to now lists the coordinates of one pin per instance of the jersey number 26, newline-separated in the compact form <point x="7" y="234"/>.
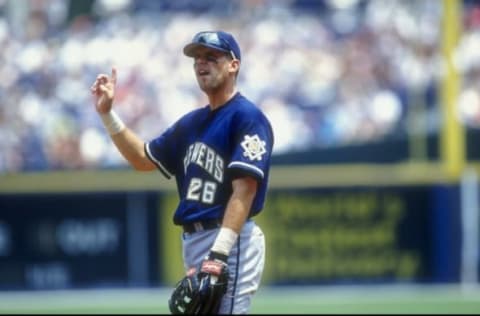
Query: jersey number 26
<point x="203" y="191"/>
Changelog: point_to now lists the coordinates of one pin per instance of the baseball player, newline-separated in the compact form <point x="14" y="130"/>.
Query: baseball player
<point x="219" y="155"/>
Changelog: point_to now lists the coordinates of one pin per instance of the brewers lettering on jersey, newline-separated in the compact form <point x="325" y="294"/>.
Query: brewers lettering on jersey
<point x="206" y="158"/>
<point x="219" y="155"/>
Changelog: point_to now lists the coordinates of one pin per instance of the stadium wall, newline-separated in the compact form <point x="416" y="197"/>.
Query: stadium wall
<point x="365" y="223"/>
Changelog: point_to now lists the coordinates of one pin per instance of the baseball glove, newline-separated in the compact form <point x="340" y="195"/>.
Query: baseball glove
<point x="201" y="293"/>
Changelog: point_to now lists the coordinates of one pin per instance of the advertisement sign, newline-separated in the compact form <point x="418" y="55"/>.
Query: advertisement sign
<point x="358" y="235"/>
<point x="50" y="241"/>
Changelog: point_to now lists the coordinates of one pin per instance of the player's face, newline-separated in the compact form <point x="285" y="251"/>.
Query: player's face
<point x="212" y="68"/>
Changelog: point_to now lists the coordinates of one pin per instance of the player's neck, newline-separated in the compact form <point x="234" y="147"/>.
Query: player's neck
<point x="219" y="98"/>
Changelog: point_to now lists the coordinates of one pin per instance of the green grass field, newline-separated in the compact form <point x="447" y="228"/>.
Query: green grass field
<point x="269" y="300"/>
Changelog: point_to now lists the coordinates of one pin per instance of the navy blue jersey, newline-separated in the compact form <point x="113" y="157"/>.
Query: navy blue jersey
<point x="206" y="149"/>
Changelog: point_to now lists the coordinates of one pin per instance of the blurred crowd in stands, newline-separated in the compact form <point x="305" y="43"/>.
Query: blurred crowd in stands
<point x="326" y="73"/>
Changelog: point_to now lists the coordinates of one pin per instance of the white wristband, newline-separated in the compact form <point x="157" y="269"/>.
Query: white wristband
<point x="226" y="238"/>
<point x="113" y="123"/>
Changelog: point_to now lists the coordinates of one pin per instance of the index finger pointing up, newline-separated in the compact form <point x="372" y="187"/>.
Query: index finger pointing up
<point x="114" y="75"/>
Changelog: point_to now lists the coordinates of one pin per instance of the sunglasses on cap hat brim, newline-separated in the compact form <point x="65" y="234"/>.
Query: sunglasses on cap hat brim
<point x="210" y="40"/>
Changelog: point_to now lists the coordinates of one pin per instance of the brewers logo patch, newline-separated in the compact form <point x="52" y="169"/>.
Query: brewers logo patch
<point x="253" y="147"/>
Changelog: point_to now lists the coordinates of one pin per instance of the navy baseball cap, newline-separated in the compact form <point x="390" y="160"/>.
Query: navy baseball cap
<point x="218" y="40"/>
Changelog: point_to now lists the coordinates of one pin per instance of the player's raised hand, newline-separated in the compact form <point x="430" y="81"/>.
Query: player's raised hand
<point x="103" y="89"/>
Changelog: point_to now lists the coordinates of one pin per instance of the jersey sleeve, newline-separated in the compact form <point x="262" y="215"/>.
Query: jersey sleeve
<point x="160" y="151"/>
<point x="252" y="148"/>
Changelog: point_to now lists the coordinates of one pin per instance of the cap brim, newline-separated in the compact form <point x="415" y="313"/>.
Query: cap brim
<point x="189" y="49"/>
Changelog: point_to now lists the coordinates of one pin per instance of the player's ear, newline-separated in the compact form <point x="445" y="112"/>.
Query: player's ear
<point x="234" y="65"/>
